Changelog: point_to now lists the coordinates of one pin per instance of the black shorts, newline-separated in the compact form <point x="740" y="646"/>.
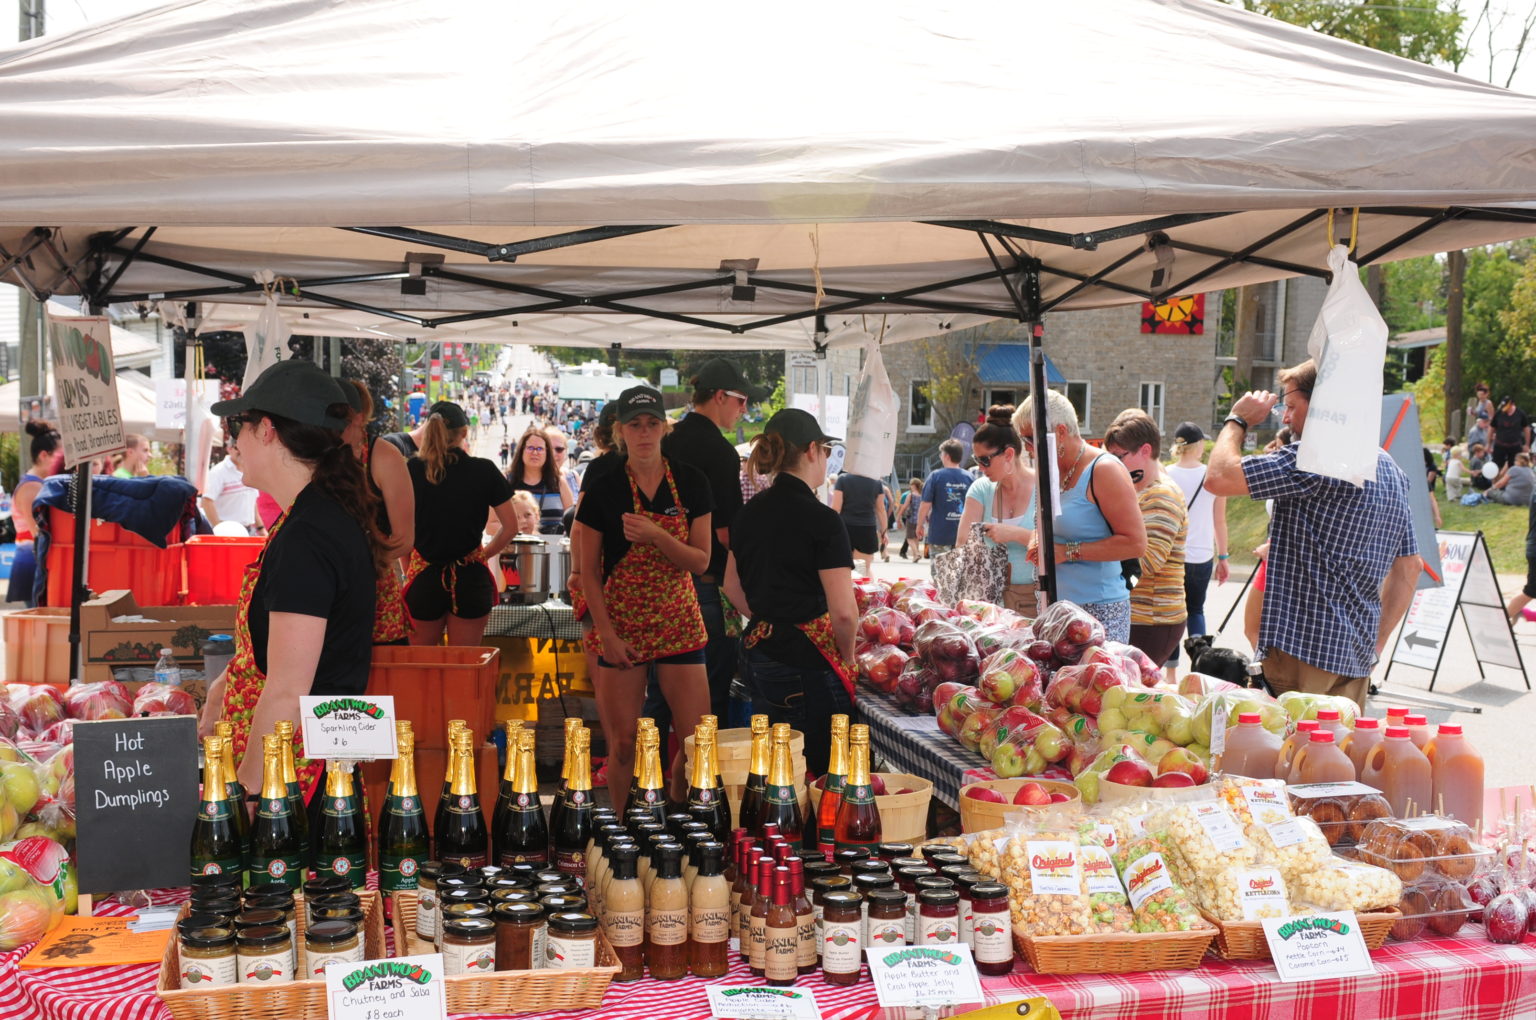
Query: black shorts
<point x="428" y="598"/>
<point x="863" y="537"/>
<point x="1529" y="591"/>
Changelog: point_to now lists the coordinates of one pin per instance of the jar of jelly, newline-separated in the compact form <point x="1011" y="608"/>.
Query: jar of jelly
<point x="992" y="930"/>
<point x="938" y="917"/>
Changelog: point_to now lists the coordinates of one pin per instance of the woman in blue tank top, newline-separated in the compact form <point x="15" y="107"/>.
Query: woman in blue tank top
<point x="1100" y="522"/>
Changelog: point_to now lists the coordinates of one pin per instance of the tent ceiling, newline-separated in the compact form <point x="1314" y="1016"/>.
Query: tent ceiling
<point x="622" y="156"/>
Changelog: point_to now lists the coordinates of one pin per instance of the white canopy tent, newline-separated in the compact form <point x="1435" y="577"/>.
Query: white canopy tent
<point x="135" y="399"/>
<point x="676" y="164"/>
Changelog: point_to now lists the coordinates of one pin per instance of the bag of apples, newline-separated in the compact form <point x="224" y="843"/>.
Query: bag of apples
<point x="884" y="626"/>
<point x="1070" y="630"/>
<point x="881" y="666"/>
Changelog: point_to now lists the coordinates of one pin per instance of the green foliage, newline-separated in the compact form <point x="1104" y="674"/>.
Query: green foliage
<point x="1429" y="393"/>
<point x="1516" y="348"/>
<point x="1429" y="32"/>
<point x="1414" y="294"/>
<point x="776" y="400"/>
<point x="10" y="460"/>
<point x="954" y="380"/>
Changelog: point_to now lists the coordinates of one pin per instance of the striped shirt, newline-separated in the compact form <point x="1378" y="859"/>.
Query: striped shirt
<point x="1330" y="547"/>
<point x="1159" y="597"/>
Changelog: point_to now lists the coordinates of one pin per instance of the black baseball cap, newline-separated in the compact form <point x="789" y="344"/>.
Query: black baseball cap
<point x="608" y="414"/>
<point x="720" y="374"/>
<point x="638" y="400"/>
<point x="799" y="428"/>
<point x="452" y="414"/>
<point x="295" y="389"/>
<point x="1190" y="433"/>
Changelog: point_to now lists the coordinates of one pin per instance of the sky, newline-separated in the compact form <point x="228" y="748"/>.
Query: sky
<point x="68" y="15"/>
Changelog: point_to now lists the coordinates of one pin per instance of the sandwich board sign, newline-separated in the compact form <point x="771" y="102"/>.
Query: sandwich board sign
<point x="1470" y="589"/>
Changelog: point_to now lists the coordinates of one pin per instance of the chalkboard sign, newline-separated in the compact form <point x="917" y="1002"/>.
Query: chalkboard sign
<point x="136" y="788"/>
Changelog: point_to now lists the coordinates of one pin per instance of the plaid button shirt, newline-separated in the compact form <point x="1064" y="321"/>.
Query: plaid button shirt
<point x="1330" y="547"/>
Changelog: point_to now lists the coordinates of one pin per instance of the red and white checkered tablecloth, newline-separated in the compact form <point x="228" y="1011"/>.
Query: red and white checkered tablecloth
<point x="1463" y="978"/>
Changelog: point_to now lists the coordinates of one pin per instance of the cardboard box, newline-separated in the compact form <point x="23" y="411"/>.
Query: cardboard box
<point x="183" y="629"/>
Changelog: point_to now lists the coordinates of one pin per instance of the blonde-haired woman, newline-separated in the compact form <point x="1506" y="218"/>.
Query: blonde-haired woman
<point x="1205" y="545"/>
<point x="642" y="531"/>
<point x="448" y="585"/>
<point x="791" y="572"/>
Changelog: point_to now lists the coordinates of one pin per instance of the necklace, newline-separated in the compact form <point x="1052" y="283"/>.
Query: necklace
<point x="1070" y="477"/>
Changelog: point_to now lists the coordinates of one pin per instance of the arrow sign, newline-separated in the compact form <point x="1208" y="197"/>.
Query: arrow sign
<point x="1412" y="638"/>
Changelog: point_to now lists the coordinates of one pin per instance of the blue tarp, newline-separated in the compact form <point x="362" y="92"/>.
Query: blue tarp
<point x="1009" y="363"/>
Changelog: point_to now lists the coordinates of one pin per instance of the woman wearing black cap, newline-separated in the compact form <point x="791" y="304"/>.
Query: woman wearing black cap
<point x="642" y="533"/>
<point x="791" y="572"/>
<point x="448" y="585"/>
<point x="304" y="619"/>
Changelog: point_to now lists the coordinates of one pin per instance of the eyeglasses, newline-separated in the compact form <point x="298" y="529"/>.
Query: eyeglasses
<point x="826" y="448"/>
<point x="986" y="459"/>
<point x="1119" y="456"/>
<point x="558" y="449"/>
<point x="736" y="396"/>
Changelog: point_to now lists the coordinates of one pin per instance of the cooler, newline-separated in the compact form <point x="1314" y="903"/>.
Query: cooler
<point x="215" y="566"/>
<point x="119" y="559"/>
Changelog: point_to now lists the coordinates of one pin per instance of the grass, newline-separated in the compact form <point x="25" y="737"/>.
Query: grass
<point x="1503" y="528"/>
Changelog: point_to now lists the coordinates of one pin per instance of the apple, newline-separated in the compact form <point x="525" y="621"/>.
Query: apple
<point x="877" y="782"/>
<point x="986" y="793"/>
<point x="1506" y="918"/>
<point x="1008" y="760"/>
<point x="1060" y="798"/>
<point x="1112" y="719"/>
<point x="1130" y="772"/>
<point x="1482" y="890"/>
<point x="20" y="786"/>
<point x="26" y="915"/>
<point x="1087" y="786"/>
<point x="1180" y="761"/>
<point x="1078" y="759"/>
<point x="1032" y="794"/>
<point x="1171" y="779"/>
<point x="1051" y="743"/>
<point x="972" y="729"/>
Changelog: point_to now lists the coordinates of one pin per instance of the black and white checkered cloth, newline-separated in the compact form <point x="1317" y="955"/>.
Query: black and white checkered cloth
<point x="557" y="622"/>
<point x="914" y="744"/>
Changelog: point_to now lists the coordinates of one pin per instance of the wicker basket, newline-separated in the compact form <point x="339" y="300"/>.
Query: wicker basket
<point x="1244" y="940"/>
<point x="733" y="751"/>
<point x="981" y="815"/>
<point x="505" y="992"/>
<point x="1115" y="954"/>
<point x="262" y="1002"/>
<point x="903" y="816"/>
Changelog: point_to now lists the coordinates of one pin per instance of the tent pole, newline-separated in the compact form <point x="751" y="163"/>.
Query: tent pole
<point x="1045" y="471"/>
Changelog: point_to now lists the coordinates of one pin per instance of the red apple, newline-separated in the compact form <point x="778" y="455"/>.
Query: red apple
<point x="1482" y="890"/>
<point x="1130" y="772"/>
<point x="1181" y="759"/>
<point x="878" y="783"/>
<point x="1171" y="779"/>
<point x="1060" y="798"/>
<point x="904" y="789"/>
<point x="1032" y="794"/>
<point x="987" y="794"/>
<point x="1506" y="918"/>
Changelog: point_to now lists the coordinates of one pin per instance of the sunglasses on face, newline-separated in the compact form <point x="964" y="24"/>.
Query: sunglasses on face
<point x="986" y="459"/>
<point x="239" y="421"/>
<point x="737" y="396"/>
<point x="559" y="449"/>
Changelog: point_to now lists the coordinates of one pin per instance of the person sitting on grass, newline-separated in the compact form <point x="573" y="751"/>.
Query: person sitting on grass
<point x="1515" y="483"/>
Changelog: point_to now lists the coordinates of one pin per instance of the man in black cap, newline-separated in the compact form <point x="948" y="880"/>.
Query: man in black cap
<point x="720" y="397"/>
<point x="409" y="442"/>
<point x="1511" y="432"/>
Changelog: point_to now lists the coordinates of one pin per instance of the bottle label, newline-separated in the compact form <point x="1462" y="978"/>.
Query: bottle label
<point x="841" y="949"/>
<point x="781" y="956"/>
<point x="426" y="915"/>
<point x="315" y="962"/>
<point x="208" y="973"/>
<point x="268" y="969"/>
<point x="217" y="866"/>
<point x="397" y="873"/>
<point x="992" y="941"/>
<point x="468" y="959"/>
<point x="523" y="857"/>
<point x="573" y="863"/>
<point x="666" y="927"/>
<point x="214" y="810"/>
<point x="562" y="953"/>
<point x="910" y="932"/>
<point x="757" y="933"/>
<point x="887" y="933"/>
<point x="937" y="931"/>
<point x="468" y="861"/>
<point x="352" y="867"/>
<point x="288" y="868"/>
<point x="624" y="927"/>
<point x="805" y="934"/>
<point x="709" y="924"/>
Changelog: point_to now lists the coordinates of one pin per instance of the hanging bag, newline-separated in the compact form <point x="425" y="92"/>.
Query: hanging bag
<point x="976" y="570"/>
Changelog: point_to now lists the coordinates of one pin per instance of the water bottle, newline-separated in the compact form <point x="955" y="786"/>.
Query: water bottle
<point x="217" y="651"/>
<point x="166" y="670"/>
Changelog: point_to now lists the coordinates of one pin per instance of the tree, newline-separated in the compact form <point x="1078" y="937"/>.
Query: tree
<point x="1430" y="33"/>
<point x="954" y="377"/>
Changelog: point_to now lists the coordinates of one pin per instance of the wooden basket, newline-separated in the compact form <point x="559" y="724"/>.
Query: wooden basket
<point x="1115" y="953"/>
<point x="1244" y="940"/>
<point x="981" y="815"/>
<point x="903" y="816"/>
<point x="505" y="992"/>
<point x="733" y="749"/>
<point x="262" y="1002"/>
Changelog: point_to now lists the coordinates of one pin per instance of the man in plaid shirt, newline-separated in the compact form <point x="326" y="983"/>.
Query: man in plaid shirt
<point x="1343" y="561"/>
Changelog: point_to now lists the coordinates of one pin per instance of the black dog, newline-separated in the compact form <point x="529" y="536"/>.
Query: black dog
<point x="1224" y="663"/>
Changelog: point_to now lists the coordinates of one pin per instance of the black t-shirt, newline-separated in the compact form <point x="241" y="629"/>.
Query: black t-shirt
<point x="859" y="496"/>
<point x="606" y="499"/>
<point x="783" y="538"/>
<point x="401" y="441"/>
<point x="698" y="441"/>
<point x="319" y="564"/>
<point x="1509" y="427"/>
<point x="450" y="516"/>
<point x="599" y="466"/>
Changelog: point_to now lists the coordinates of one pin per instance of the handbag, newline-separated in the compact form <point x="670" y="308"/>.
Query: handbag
<point x="976" y="570"/>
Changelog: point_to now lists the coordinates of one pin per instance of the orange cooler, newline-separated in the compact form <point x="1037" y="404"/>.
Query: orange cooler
<point x="1401" y="772"/>
<point x="1321" y="761"/>
<point x="1456" y="770"/>
<point x="1251" y="749"/>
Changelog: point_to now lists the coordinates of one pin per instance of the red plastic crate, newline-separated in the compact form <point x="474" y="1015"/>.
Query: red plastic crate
<point x="215" y="566"/>
<point x="62" y="524"/>
<point x="153" y="575"/>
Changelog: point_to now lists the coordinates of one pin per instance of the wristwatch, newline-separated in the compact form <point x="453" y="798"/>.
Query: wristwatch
<point x="1236" y="419"/>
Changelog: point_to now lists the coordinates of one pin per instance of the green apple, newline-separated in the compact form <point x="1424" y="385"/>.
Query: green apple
<point x="12" y="876"/>
<point x="1181" y="730"/>
<point x="20" y="785"/>
<point x="1114" y="698"/>
<point x="1088" y="785"/>
<point x="1112" y="718"/>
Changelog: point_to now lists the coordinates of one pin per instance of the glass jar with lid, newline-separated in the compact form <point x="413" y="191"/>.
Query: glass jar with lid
<point x="571" y="942"/>
<point x="264" y="955"/>
<point x="207" y="958"/>
<point x="328" y="942"/>
<point x="468" y="945"/>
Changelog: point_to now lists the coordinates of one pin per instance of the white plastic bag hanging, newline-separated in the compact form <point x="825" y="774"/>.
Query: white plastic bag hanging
<point x="267" y="339"/>
<point x="872" y="421"/>
<point x="1349" y="343"/>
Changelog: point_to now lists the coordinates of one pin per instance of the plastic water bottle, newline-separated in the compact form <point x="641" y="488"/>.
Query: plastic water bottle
<point x="166" y="670"/>
<point x="217" y="651"/>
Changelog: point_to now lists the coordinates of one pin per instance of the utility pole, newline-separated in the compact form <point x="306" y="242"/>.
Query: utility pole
<point x="29" y="336"/>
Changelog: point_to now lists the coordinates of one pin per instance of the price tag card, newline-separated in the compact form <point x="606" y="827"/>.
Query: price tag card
<point x="360" y="728"/>
<point x="405" y="988"/>
<point x="1318" y="946"/>
<point x="1036" y="1007"/>
<point x="762" y="1003"/>
<point x="924" y="976"/>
